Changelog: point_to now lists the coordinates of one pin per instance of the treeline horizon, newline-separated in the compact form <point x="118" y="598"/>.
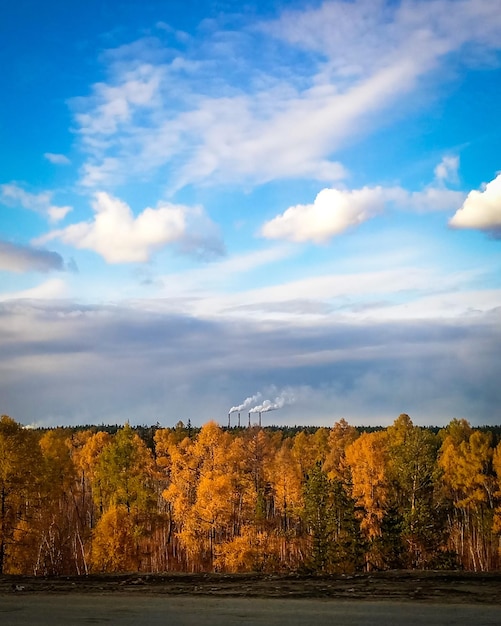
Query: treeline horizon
<point x="111" y="498"/>
<point x="147" y="431"/>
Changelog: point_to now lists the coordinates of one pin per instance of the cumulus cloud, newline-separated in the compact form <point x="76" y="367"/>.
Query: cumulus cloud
<point x="120" y="237"/>
<point x="13" y="195"/>
<point x="19" y="258"/>
<point x="332" y="212"/>
<point x="336" y="210"/>
<point x="57" y="159"/>
<point x="482" y="209"/>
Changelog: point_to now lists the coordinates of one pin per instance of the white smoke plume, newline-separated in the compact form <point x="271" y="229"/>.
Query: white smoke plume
<point x="246" y="403"/>
<point x="284" y="398"/>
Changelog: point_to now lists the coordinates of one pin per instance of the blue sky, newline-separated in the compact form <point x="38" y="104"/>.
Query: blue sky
<point x="293" y="205"/>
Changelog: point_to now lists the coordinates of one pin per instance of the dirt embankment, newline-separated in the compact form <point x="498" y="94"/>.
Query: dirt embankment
<point x="456" y="587"/>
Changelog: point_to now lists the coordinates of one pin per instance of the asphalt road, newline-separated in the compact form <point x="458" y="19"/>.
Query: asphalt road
<point x="75" y="609"/>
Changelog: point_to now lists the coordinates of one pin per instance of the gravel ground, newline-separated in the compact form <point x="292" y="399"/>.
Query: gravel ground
<point x="402" y="586"/>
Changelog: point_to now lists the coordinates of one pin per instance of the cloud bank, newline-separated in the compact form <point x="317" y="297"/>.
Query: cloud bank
<point x="147" y="366"/>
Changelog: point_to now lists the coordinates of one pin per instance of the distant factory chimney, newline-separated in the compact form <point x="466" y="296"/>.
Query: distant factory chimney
<point x="259" y="419"/>
<point x="249" y="420"/>
<point x="239" y="419"/>
<point x="229" y="420"/>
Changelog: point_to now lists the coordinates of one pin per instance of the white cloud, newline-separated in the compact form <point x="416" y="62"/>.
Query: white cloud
<point x="222" y="275"/>
<point x="449" y="304"/>
<point x="430" y="199"/>
<point x="481" y="209"/>
<point x="401" y="291"/>
<point x="13" y="195"/>
<point x="332" y="212"/>
<point x="119" y="237"/>
<point x="57" y="159"/>
<point x="358" y="36"/>
<point x="116" y="104"/>
<point x="57" y="213"/>
<point x="214" y="114"/>
<point x="335" y="210"/>
<point x="260" y="139"/>
<point x="97" y="174"/>
<point x="447" y="169"/>
<point x="366" y="294"/>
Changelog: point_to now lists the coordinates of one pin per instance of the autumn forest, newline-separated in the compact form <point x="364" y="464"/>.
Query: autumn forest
<point x="340" y="499"/>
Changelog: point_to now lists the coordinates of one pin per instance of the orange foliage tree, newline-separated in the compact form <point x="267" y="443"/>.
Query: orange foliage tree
<point x="19" y="496"/>
<point x="248" y="499"/>
<point x="367" y="458"/>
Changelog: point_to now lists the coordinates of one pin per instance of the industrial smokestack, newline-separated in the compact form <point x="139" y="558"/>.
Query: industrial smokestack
<point x="239" y="419"/>
<point x="229" y="420"/>
<point x="259" y="419"/>
<point x="249" y="420"/>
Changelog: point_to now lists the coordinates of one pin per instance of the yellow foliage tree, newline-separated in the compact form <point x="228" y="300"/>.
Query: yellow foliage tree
<point x="114" y="545"/>
<point x="367" y="458"/>
<point x="208" y="491"/>
<point x="496" y="525"/>
<point x="59" y="551"/>
<point x="340" y="437"/>
<point x="466" y="461"/>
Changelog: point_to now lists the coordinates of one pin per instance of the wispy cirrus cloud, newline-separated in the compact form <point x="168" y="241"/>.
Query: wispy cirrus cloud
<point x="13" y="195"/>
<point x="371" y="34"/>
<point x="53" y="288"/>
<point x="403" y="291"/>
<point x="120" y="237"/>
<point x="56" y="158"/>
<point x="113" y="106"/>
<point x="204" y="113"/>
<point x="447" y="170"/>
